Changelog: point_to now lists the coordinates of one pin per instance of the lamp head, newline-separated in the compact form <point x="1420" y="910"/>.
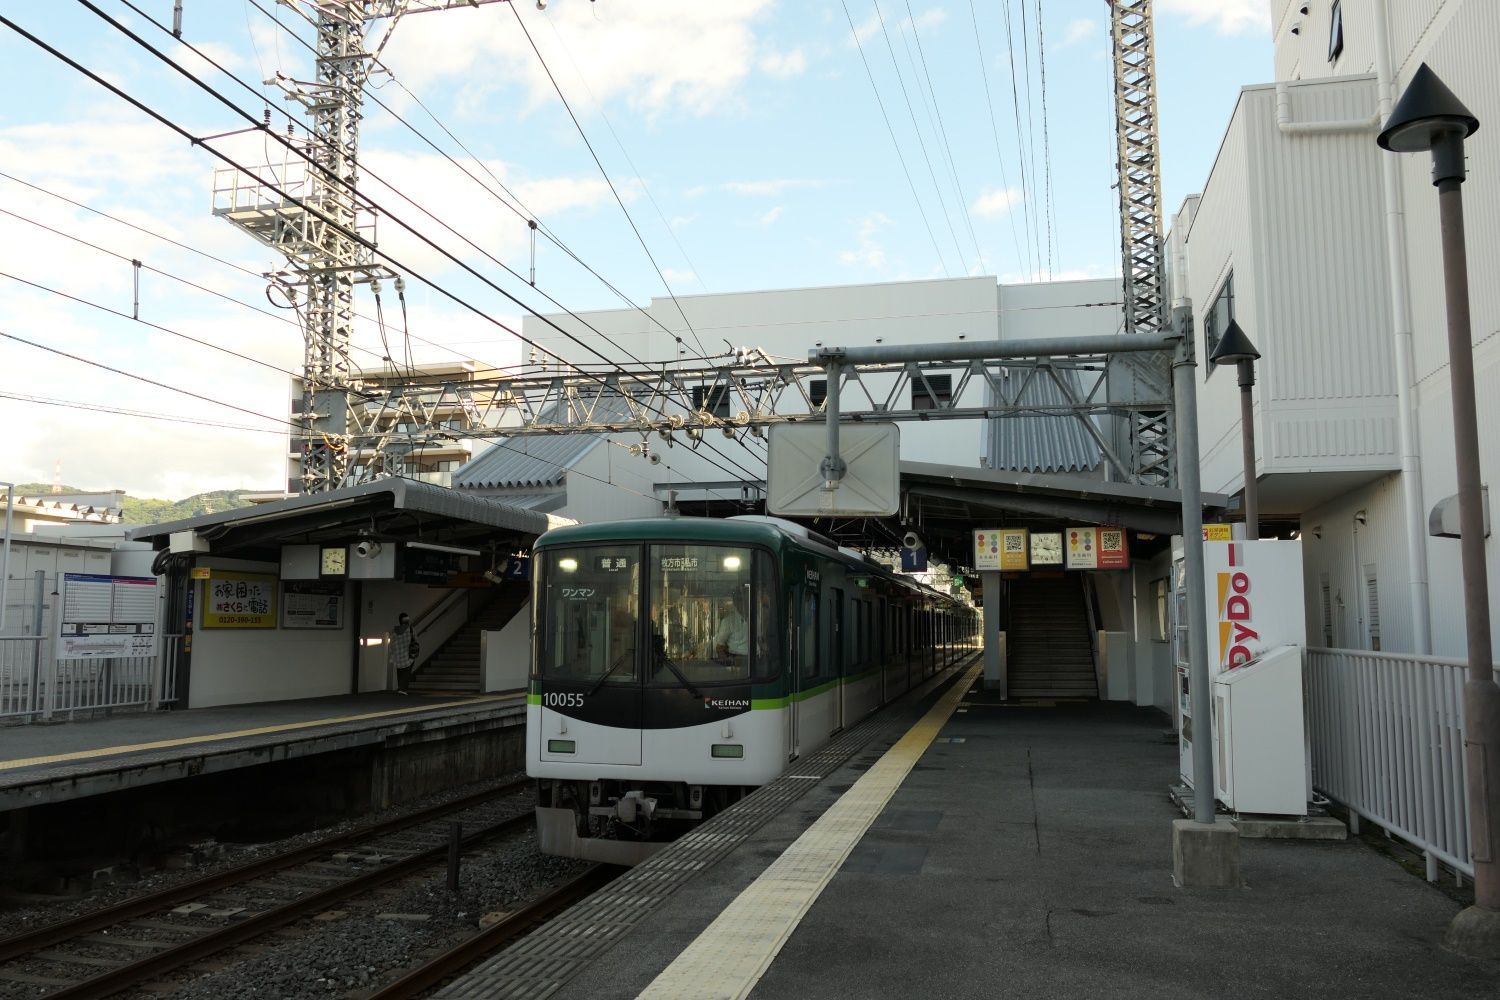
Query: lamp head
<point x="1425" y="113"/>
<point x="1234" y="347"/>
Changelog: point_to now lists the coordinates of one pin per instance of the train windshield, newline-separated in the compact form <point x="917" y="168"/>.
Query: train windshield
<point x="698" y="615"/>
<point x="589" y="613"/>
<point x="711" y="618"/>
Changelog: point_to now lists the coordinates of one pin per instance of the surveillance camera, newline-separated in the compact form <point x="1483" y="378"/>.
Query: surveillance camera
<point x="367" y="549"/>
<point x="911" y="540"/>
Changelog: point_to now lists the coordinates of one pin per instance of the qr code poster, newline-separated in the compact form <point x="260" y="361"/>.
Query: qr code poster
<point x="239" y="600"/>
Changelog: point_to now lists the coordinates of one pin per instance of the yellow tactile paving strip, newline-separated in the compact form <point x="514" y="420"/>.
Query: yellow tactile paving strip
<point x="8" y="765"/>
<point x="733" y="952"/>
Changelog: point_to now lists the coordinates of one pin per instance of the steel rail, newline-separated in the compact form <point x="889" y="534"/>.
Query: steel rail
<point x="455" y="960"/>
<point x="115" y="981"/>
<point x="24" y="944"/>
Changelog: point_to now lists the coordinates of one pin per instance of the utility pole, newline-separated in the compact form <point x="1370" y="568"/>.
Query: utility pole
<point x="325" y="259"/>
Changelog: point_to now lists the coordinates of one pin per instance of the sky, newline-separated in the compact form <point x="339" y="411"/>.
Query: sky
<point x="754" y="144"/>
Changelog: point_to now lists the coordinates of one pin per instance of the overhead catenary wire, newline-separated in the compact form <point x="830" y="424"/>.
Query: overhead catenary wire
<point x="605" y="173"/>
<point x="182" y="246"/>
<point x="984" y="72"/>
<point x="511" y="201"/>
<point x="74" y="404"/>
<point x="1041" y="58"/>
<point x="379" y="209"/>
<point x="1030" y="119"/>
<point x="937" y="108"/>
<point x="1028" y="181"/>
<point x="926" y="222"/>
<point x="269" y="185"/>
<point x="148" y="380"/>
<point x="921" y="142"/>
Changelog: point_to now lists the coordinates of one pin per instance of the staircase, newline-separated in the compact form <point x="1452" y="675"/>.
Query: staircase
<point x="454" y="668"/>
<point x="1048" y="640"/>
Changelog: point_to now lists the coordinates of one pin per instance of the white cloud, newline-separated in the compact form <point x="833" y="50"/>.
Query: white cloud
<point x="1228" y="17"/>
<point x="712" y="50"/>
<point x="678" y="276"/>
<point x="1081" y="29"/>
<point x="771" y="216"/>
<point x="870" y="254"/>
<point x="930" y="18"/>
<point x="784" y="65"/>
<point x="770" y="187"/>
<point x="679" y="221"/>
<point x="996" y="201"/>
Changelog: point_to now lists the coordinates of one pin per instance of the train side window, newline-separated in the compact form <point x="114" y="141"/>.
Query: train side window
<point x="808" y="654"/>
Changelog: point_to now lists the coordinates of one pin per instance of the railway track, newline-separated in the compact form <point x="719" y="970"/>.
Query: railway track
<point x="102" y="953"/>
<point x="461" y="956"/>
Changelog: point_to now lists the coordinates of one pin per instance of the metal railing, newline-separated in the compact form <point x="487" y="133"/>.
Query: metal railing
<point x="36" y="686"/>
<point x="1387" y="741"/>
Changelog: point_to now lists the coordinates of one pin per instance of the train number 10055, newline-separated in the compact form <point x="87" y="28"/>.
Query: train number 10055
<point x="560" y="699"/>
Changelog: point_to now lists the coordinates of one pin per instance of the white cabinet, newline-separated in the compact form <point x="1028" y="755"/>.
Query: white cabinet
<point x="1260" y="752"/>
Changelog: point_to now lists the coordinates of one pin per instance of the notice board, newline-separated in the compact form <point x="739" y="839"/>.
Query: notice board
<point x="105" y="616"/>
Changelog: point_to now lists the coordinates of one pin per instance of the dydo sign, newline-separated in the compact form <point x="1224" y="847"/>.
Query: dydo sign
<point x="1254" y="599"/>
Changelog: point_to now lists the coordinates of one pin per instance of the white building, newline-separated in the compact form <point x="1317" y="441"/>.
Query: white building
<point x="1325" y="249"/>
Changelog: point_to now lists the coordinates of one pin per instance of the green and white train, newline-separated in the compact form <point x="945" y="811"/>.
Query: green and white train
<point x="680" y="663"/>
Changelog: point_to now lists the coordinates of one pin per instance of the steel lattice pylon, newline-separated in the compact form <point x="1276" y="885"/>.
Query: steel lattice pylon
<point x="1141" y="243"/>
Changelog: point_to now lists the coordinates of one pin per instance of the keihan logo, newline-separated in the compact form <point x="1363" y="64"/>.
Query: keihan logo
<point x="1234" y="613"/>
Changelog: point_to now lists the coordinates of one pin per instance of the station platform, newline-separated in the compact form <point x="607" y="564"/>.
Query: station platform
<point x="42" y="764"/>
<point x="959" y="847"/>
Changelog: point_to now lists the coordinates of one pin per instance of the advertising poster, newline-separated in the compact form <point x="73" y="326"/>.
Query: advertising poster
<point x="1082" y="548"/>
<point x="312" y="604"/>
<point x="105" y="616"/>
<point x="1114" y="549"/>
<point x="239" y="600"/>
<point x="1013" y="549"/>
<point x="987" y="549"/>
<point x="1254" y="599"/>
<point x="1216" y="533"/>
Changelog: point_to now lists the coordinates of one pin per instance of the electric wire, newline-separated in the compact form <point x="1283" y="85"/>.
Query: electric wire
<point x="514" y="203"/>
<point x="182" y="246"/>
<point x="149" y="381"/>
<point x="1027" y="182"/>
<point x="598" y="104"/>
<point x="984" y="73"/>
<point x="921" y="142"/>
<point x="375" y="206"/>
<point x="74" y="404"/>
<point x="926" y="222"/>
<point x="1030" y="119"/>
<point x="1041" y="58"/>
<point x="943" y="131"/>
<point x="605" y="173"/>
<point x="352" y="235"/>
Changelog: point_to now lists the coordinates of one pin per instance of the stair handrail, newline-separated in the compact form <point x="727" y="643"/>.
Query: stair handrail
<point x="1093" y="624"/>
<point x="426" y="618"/>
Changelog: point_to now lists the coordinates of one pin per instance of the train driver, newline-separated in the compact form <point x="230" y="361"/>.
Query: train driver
<point x="732" y="637"/>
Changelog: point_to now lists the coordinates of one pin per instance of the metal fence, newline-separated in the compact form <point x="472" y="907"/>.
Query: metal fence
<point x="1387" y="739"/>
<point x="34" y="685"/>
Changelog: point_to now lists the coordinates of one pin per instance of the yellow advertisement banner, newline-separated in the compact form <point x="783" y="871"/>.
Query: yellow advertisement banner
<point x="1013" y="549"/>
<point x="239" y="600"/>
<point x="1216" y="533"/>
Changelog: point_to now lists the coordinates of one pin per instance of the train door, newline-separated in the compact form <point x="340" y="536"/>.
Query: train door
<point x="837" y="639"/>
<point x="809" y="646"/>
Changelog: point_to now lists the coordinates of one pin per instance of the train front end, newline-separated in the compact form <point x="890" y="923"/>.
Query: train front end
<point x="656" y="689"/>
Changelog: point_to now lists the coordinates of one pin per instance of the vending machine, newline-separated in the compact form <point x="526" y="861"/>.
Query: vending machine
<point x="1256" y="628"/>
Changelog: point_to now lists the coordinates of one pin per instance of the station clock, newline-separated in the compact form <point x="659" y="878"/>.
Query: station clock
<point x="1046" y="548"/>
<point x="334" y="561"/>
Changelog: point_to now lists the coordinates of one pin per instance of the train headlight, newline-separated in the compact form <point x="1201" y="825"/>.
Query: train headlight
<point x="732" y="563"/>
<point x="568" y="565"/>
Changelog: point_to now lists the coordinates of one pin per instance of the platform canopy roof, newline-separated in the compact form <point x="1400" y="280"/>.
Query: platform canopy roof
<point x="387" y="509"/>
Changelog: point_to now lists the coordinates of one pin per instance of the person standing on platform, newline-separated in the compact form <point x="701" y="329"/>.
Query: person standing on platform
<point x="403" y="651"/>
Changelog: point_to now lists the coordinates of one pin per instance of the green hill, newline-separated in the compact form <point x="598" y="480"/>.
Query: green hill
<point x="142" y="510"/>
